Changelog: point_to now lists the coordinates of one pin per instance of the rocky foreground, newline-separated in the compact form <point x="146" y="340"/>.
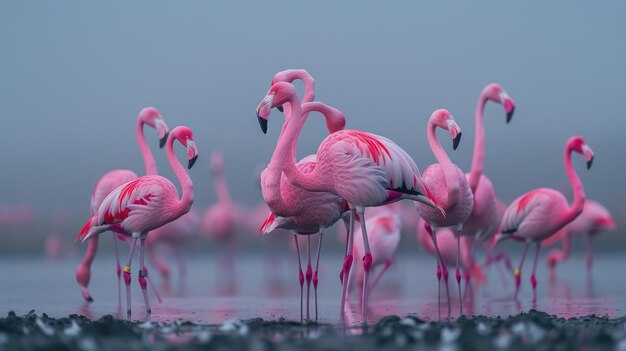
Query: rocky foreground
<point x="527" y="331"/>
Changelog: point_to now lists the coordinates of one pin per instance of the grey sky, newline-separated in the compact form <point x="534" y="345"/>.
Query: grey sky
<point x="74" y="74"/>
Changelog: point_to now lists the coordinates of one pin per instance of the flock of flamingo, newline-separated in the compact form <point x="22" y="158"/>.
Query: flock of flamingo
<point x="455" y="213"/>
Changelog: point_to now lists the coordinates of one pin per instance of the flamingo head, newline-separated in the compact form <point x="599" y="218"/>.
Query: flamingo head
<point x="579" y="145"/>
<point x="289" y="75"/>
<point x="185" y="136"/>
<point x="217" y="162"/>
<point x="443" y="119"/>
<point x="495" y="93"/>
<point x="152" y="117"/>
<point x="278" y="94"/>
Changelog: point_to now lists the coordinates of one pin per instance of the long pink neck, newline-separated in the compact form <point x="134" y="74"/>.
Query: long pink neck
<point x="311" y="181"/>
<point x="184" y="204"/>
<point x="148" y="159"/>
<point x="309" y="96"/>
<point x="579" y="192"/>
<point x="221" y="189"/>
<point x="448" y="168"/>
<point x="285" y="151"/>
<point x="478" y="158"/>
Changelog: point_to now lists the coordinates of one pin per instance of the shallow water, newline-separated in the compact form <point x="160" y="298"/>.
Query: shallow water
<point x="270" y="290"/>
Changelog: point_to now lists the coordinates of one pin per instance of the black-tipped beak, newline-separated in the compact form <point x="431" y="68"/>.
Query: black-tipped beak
<point x="163" y="140"/>
<point x="509" y="115"/>
<point x="192" y="162"/>
<point x="456" y="141"/>
<point x="589" y="163"/>
<point x="280" y="108"/>
<point x="263" y="124"/>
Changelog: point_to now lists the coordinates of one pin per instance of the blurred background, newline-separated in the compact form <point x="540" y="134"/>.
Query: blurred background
<point x="74" y="75"/>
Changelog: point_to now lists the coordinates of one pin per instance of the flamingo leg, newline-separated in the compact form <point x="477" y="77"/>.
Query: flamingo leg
<point x="308" y="275"/>
<point x="344" y="276"/>
<point x="300" y="276"/>
<point x="533" y="277"/>
<point x="317" y="264"/>
<point x="458" y="272"/>
<point x="141" y="278"/>
<point x="380" y="275"/>
<point x="367" y="264"/>
<point x="129" y="261"/>
<point x="589" y="251"/>
<point x="433" y="234"/>
<point x="152" y="286"/>
<point x="118" y="269"/>
<point x="518" y="270"/>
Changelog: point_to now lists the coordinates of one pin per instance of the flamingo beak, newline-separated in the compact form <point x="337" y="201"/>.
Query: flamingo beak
<point x="456" y="141"/>
<point x="590" y="162"/>
<point x="263" y="124"/>
<point x="163" y="139"/>
<point x="280" y="108"/>
<point x="509" y="114"/>
<point x="192" y="161"/>
<point x="263" y="111"/>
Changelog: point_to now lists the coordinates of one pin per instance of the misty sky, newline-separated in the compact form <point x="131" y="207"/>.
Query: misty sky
<point x="74" y="75"/>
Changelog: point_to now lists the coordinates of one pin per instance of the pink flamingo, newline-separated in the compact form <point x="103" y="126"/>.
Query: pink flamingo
<point x="449" y="185"/>
<point x="144" y="204"/>
<point x="540" y="213"/>
<point x="298" y="210"/>
<point x="484" y="221"/>
<point x="108" y="182"/>
<point x="384" y="236"/>
<point x="364" y="169"/>
<point x="594" y="219"/>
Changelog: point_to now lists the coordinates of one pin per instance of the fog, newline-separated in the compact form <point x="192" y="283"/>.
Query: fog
<point x="74" y="75"/>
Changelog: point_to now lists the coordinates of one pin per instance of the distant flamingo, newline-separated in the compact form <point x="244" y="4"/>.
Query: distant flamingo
<point x="176" y="235"/>
<point x="109" y="181"/>
<point x="485" y="219"/>
<point x="449" y="186"/>
<point x="298" y="210"/>
<point x="220" y="223"/>
<point x="384" y="236"/>
<point x="540" y="213"/>
<point x="144" y="204"/>
<point x="362" y="168"/>
<point x="594" y="219"/>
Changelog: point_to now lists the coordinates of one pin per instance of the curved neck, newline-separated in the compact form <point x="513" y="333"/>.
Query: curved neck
<point x="478" y="159"/>
<point x="579" y="192"/>
<point x="184" y="204"/>
<point x="449" y="171"/>
<point x="221" y="189"/>
<point x="148" y="159"/>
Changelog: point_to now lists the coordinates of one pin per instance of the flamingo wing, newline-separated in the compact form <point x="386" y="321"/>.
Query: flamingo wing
<point x="530" y="214"/>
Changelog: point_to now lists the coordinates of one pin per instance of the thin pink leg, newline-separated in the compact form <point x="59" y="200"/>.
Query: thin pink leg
<point x="518" y="271"/>
<point x="300" y="277"/>
<point x="308" y="275"/>
<point x="118" y="269"/>
<point x="589" y="250"/>
<point x="533" y="277"/>
<point x="347" y="263"/>
<point x="380" y="275"/>
<point x="367" y="265"/>
<point x="433" y="235"/>
<point x="458" y="272"/>
<point x="317" y="264"/>
<point x="141" y="278"/>
<point x="127" y="275"/>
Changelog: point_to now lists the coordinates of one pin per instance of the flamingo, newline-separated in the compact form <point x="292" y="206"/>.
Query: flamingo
<point x="151" y="117"/>
<point x="449" y="185"/>
<point x="144" y="204"/>
<point x="594" y="219"/>
<point x="364" y="169"/>
<point x="384" y="236"/>
<point x="484" y="220"/>
<point x="540" y="213"/>
<point x="298" y="210"/>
